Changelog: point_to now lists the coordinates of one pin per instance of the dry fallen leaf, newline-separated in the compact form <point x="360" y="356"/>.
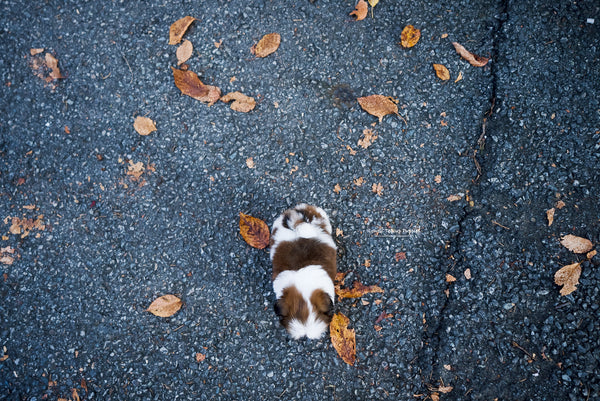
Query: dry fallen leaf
<point x="361" y="10"/>
<point x="378" y="105"/>
<point x="441" y="71"/>
<point x="367" y="139"/>
<point x="409" y="36"/>
<point x="254" y="231"/>
<point x="52" y="64"/>
<point x="33" y="52"/>
<point x="373" y="3"/>
<point x="165" y="306"/>
<point x="24" y="226"/>
<point x="184" y="52"/>
<point x="200" y="357"/>
<point x="359" y="181"/>
<point x="189" y="84"/>
<point x="568" y="277"/>
<point x="560" y="204"/>
<point x="467" y="274"/>
<point x="591" y="254"/>
<point x="453" y="198"/>
<point x="144" y="125"/>
<point x="267" y="45"/>
<point x="135" y="170"/>
<point x="459" y="77"/>
<point x="250" y="162"/>
<point x="75" y="395"/>
<point x="400" y="256"/>
<point x="550" y="216"/>
<point x="437" y="179"/>
<point x="576" y="244"/>
<point x="448" y="367"/>
<point x="377" y="189"/>
<point x="240" y="103"/>
<point x="178" y="29"/>
<point x="358" y="290"/>
<point x="450" y="278"/>
<point x="342" y="338"/>
<point x="473" y="59"/>
<point x="445" y="389"/>
<point x="337" y="188"/>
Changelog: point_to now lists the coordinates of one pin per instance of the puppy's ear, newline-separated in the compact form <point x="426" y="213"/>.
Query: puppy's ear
<point x="322" y="302"/>
<point x="280" y="308"/>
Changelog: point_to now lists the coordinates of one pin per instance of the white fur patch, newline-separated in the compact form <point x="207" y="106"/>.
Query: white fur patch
<point x="306" y="280"/>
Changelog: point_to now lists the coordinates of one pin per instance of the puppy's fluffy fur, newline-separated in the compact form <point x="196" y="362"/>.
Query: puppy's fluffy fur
<point x="303" y="254"/>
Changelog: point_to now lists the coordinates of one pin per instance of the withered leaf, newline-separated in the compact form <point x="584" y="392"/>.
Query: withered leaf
<point x="52" y="64"/>
<point x="25" y="225"/>
<point x="568" y="277"/>
<point x="409" y="36"/>
<point x="467" y="274"/>
<point x="135" y="170"/>
<point x="473" y="59"/>
<point x="267" y="45"/>
<point x="550" y="216"/>
<point x="591" y="254"/>
<point x="342" y="338"/>
<point x="441" y="71"/>
<point x="450" y="278"/>
<point x="378" y="105"/>
<point x="189" y="84"/>
<point x="358" y="290"/>
<point x="445" y="389"/>
<point x="254" y="231"/>
<point x="178" y="29"/>
<point x="200" y="357"/>
<point x="241" y="102"/>
<point x="184" y="52"/>
<point x="367" y="139"/>
<point x="377" y="188"/>
<point x="453" y="198"/>
<point x="560" y="204"/>
<point x="361" y="10"/>
<point x="373" y="3"/>
<point x="33" y="52"/>
<point x="250" y="162"/>
<point x="576" y="244"/>
<point x="165" y="306"/>
<point x="144" y="125"/>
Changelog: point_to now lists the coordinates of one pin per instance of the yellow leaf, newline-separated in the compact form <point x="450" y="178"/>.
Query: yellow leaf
<point x="267" y="45"/>
<point x="165" y="306"/>
<point x="342" y="338"/>
<point x="409" y="36"/>
<point x="441" y="71"/>
<point x="373" y="3"/>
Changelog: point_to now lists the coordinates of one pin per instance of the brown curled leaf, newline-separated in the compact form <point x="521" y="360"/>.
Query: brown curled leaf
<point x="568" y="277"/>
<point x="473" y="59"/>
<point x="361" y="10"/>
<point x="576" y="244"/>
<point x="189" y="84"/>
<point x="178" y="29"/>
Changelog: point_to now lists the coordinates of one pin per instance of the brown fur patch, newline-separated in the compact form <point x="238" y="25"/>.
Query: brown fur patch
<point x="310" y="213"/>
<point x="294" y="255"/>
<point x="322" y="305"/>
<point x="290" y="306"/>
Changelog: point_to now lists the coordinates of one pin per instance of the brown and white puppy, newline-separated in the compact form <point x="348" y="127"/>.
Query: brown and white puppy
<point x="304" y="267"/>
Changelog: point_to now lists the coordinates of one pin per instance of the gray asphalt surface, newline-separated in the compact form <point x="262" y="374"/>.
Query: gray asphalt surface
<point x="510" y="139"/>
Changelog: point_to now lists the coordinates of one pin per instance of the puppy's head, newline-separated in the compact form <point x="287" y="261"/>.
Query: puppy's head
<point x="302" y="317"/>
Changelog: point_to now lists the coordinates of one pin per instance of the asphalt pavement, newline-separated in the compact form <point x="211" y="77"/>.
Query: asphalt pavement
<point x="446" y="209"/>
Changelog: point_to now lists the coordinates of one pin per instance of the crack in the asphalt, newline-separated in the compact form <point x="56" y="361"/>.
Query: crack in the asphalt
<point x="428" y="361"/>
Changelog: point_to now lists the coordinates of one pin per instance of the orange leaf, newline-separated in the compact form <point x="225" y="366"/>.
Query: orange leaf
<point x="361" y="10"/>
<point x="550" y="216"/>
<point x="189" y="84"/>
<point x="33" y="52"/>
<point x="378" y="105"/>
<point x="254" y="231"/>
<point x="473" y="59"/>
<point x="367" y="139"/>
<point x="144" y="125"/>
<point x="576" y="244"/>
<point x="568" y="277"/>
<point x="450" y="278"/>
<point x="184" y="52"/>
<point x="342" y="338"/>
<point x="441" y="71"/>
<point x="165" y="306"/>
<point x="267" y="45"/>
<point x="409" y="36"/>
<point x="178" y="29"/>
<point x="241" y="102"/>
<point x="52" y="64"/>
<point x="200" y="357"/>
<point x="357" y="291"/>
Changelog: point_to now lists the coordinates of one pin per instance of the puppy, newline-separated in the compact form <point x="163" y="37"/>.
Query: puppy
<point x="303" y="255"/>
